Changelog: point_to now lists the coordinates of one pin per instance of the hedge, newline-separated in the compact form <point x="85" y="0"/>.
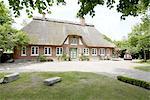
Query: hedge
<point x="136" y="82"/>
<point x="43" y="58"/>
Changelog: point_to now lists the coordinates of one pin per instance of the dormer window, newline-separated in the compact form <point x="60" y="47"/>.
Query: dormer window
<point x="73" y="41"/>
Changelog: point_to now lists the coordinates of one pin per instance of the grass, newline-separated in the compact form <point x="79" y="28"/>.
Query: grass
<point x="144" y="62"/>
<point x="74" y="86"/>
<point x="143" y="68"/>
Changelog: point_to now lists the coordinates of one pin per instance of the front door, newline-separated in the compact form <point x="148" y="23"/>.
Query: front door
<point x="73" y="53"/>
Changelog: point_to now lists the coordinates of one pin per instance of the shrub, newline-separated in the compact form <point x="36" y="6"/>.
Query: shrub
<point x="144" y="61"/>
<point x="49" y="59"/>
<point x="84" y="58"/>
<point x="136" y="82"/>
<point x="42" y="58"/>
<point x="148" y="61"/>
<point x="64" y="57"/>
<point x="107" y="58"/>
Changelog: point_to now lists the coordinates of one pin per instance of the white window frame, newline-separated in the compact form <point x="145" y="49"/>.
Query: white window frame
<point x="94" y="51"/>
<point x="48" y="53"/>
<point x="60" y="54"/>
<point x="35" y="50"/>
<point x="72" y="41"/>
<point x="102" y="53"/>
<point x="25" y="51"/>
<point x="86" y="53"/>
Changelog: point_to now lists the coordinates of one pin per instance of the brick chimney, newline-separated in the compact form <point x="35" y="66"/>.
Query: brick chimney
<point x="82" y="21"/>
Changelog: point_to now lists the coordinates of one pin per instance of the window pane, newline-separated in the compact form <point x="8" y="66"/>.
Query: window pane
<point x="87" y="51"/>
<point x="57" y="52"/>
<point x="94" y="51"/>
<point x="45" y="50"/>
<point x="36" y="50"/>
<point x="84" y="51"/>
<point x="32" y="50"/>
<point x="102" y="51"/>
<point x="74" y="41"/>
<point x="49" y="51"/>
<point x="23" y="50"/>
<point x="60" y="50"/>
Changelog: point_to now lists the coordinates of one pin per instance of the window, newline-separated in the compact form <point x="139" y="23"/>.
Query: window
<point x="102" y="51"/>
<point x="108" y="51"/>
<point x="86" y="51"/>
<point x="23" y="51"/>
<point x="34" y="51"/>
<point x="74" y="41"/>
<point x="59" y="51"/>
<point x="94" y="52"/>
<point x="47" y="51"/>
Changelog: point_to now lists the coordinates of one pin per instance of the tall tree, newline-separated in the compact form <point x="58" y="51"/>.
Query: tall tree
<point x="139" y="38"/>
<point x="122" y="46"/>
<point x="126" y="7"/>
<point x="9" y="37"/>
<point x="4" y="15"/>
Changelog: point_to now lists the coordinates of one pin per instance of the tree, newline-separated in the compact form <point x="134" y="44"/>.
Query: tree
<point x="126" y="7"/>
<point x="4" y="14"/>
<point x="139" y="38"/>
<point x="9" y="37"/>
<point x="6" y="37"/>
<point x="123" y="46"/>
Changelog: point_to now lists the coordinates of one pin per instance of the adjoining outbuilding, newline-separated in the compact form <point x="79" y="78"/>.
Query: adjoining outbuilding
<point x="54" y="38"/>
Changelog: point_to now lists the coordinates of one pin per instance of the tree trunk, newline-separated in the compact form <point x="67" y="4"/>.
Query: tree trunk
<point x="144" y="55"/>
<point x="149" y="53"/>
<point x="0" y="55"/>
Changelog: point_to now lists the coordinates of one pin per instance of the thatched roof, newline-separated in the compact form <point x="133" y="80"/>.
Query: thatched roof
<point x="54" y="32"/>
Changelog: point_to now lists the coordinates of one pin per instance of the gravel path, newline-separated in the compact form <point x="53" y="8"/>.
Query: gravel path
<point x="110" y="68"/>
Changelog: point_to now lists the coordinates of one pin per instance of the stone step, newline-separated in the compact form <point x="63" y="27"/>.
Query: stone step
<point x="51" y="81"/>
<point x="9" y="78"/>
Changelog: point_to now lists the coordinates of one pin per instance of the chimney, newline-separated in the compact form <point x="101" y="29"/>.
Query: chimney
<point x="82" y="21"/>
<point x="43" y="15"/>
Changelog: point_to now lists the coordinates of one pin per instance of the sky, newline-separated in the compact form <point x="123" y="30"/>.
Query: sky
<point x="106" y="21"/>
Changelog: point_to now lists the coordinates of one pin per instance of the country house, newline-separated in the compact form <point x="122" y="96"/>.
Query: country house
<point x="53" y="38"/>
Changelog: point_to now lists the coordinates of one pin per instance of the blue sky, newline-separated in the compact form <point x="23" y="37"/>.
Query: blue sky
<point x="106" y="21"/>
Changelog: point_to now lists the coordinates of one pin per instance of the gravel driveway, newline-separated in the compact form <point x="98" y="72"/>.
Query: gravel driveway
<point x="107" y="67"/>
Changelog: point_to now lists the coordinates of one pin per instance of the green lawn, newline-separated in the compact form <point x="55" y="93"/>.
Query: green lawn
<point x="144" y="62"/>
<point x="143" y="68"/>
<point x="75" y="86"/>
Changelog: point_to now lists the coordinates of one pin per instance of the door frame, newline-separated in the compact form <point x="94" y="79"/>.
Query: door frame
<point x="76" y="53"/>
